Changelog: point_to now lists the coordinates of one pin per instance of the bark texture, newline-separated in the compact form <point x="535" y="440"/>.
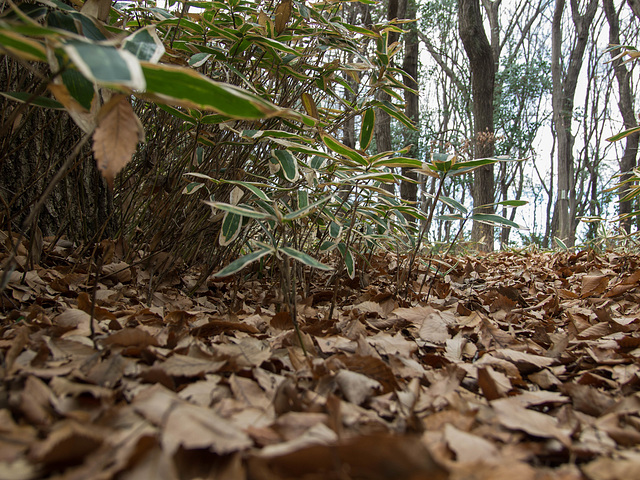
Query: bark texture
<point x="409" y="190"/>
<point x="564" y="88"/>
<point x="626" y="106"/>
<point x="483" y="72"/>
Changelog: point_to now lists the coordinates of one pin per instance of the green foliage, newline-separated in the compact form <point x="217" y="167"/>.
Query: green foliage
<point x="241" y="104"/>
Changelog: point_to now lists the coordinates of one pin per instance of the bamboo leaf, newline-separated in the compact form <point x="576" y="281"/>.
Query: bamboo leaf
<point x="348" y="260"/>
<point x="302" y="212"/>
<point x="288" y="163"/>
<point x="192" y="187"/>
<point x="231" y="226"/>
<point x="343" y="150"/>
<point x="366" y="131"/>
<point x="623" y="134"/>
<point x="310" y="105"/>
<point x="304" y="258"/>
<point x="403" y="162"/>
<point x="105" y="64"/>
<point x="23" y="47"/>
<point x="43" y="102"/>
<point x="239" y="210"/>
<point x="145" y="45"/>
<point x="243" y="261"/>
<point x="169" y="83"/>
<point x="493" y="219"/>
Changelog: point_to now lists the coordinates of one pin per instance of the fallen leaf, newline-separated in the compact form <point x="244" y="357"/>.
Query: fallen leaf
<point x="116" y="137"/>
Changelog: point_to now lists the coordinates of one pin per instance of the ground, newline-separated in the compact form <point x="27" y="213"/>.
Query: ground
<point x="512" y="365"/>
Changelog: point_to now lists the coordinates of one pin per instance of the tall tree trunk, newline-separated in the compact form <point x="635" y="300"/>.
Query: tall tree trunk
<point x="635" y="7"/>
<point x="564" y="89"/>
<point x="625" y="104"/>
<point x="408" y="189"/>
<point x="483" y="72"/>
<point x="382" y="128"/>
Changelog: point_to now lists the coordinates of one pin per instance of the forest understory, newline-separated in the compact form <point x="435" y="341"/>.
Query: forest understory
<point x="512" y="365"/>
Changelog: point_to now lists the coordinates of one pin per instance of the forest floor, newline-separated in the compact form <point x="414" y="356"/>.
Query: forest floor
<point x="515" y="366"/>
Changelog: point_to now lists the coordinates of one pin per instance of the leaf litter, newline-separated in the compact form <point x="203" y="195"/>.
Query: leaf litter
<point x="513" y="365"/>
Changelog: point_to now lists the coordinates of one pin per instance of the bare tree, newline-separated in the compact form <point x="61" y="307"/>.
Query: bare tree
<point x="626" y="106"/>
<point x="483" y="71"/>
<point x="409" y="189"/>
<point x="565" y="81"/>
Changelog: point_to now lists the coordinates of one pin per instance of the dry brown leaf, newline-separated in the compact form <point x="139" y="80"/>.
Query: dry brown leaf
<point x="526" y="362"/>
<point x="192" y="427"/>
<point x="594" y="284"/>
<point x="612" y="469"/>
<point x="357" y="388"/>
<point x="376" y="457"/>
<point x="184" y="366"/>
<point x="515" y="417"/>
<point x="493" y="384"/>
<point x="131" y="337"/>
<point x="249" y="392"/>
<point x="68" y="442"/>
<point x="470" y="448"/>
<point x="587" y="399"/>
<point x="116" y="137"/>
<point x="283" y="14"/>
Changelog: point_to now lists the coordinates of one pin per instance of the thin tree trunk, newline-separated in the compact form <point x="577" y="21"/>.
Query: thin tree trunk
<point x="483" y="70"/>
<point x="626" y="106"/>
<point x="408" y="189"/>
<point x="564" y="89"/>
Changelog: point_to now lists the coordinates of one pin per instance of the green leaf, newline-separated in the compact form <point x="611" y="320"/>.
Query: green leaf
<point x="231" y="226"/>
<point x="304" y="258"/>
<point x="561" y="244"/>
<point x="239" y="210"/>
<point x="177" y="113"/>
<point x="252" y="188"/>
<point x="403" y="162"/>
<point x="198" y="59"/>
<point x="512" y="203"/>
<point x="452" y="203"/>
<point x="269" y="42"/>
<point x="383" y="177"/>
<point x="396" y="113"/>
<point x="307" y="210"/>
<point x="171" y="83"/>
<point x="43" y="102"/>
<point x="145" y="45"/>
<point x="303" y="198"/>
<point x="493" y="219"/>
<point x="343" y="150"/>
<point x="105" y="64"/>
<point x="243" y="261"/>
<point x="327" y="245"/>
<point x="192" y="187"/>
<point x="335" y="229"/>
<point x="348" y="260"/>
<point x="450" y="218"/>
<point x="623" y="134"/>
<point x="366" y="131"/>
<point x="81" y="89"/>
<point x="288" y="163"/>
<point x="23" y="47"/>
<point x="466" y="167"/>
